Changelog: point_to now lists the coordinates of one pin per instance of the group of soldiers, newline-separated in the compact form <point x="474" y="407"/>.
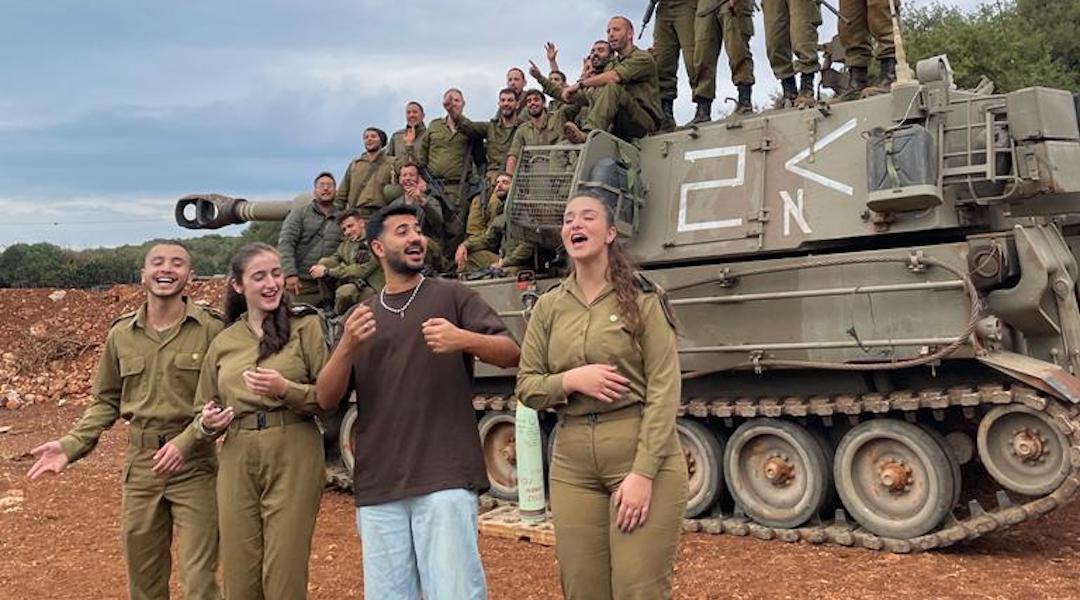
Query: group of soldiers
<point x="699" y="28"/>
<point x="459" y="171"/>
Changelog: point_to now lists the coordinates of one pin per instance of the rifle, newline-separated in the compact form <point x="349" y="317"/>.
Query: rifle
<point x="649" y="10"/>
<point x="437" y="191"/>
<point x="833" y="10"/>
<point x="711" y="9"/>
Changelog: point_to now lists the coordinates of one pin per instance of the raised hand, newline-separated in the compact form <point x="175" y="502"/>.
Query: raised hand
<point x="535" y="71"/>
<point x="442" y="336"/>
<point x="599" y="381"/>
<point x="50" y="459"/>
<point x="552" y="51"/>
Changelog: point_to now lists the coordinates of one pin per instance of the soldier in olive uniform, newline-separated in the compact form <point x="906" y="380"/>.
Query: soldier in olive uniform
<point x="600" y="350"/>
<point x="412" y="190"/>
<point x="310" y="232"/>
<point x="146" y="376"/>
<point x="263" y="367"/>
<point x="541" y="129"/>
<point x="625" y="98"/>
<point x="355" y="272"/>
<point x="365" y="176"/>
<point x="866" y="19"/>
<point x="401" y="145"/>
<point x="731" y="26"/>
<point x="500" y="134"/>
<point x="791" y="28"/>
<point x="673" y="30"/>
<point x="446" y="152"/>
<point x="473" y="254"/>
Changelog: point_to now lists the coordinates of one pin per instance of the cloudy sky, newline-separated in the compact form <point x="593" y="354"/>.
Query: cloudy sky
<point x="112" y="109"/>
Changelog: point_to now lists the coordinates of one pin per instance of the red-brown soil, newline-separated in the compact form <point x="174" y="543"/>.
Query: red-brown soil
<point x="59" y="537"/>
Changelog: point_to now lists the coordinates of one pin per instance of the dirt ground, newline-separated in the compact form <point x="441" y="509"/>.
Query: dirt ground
<point x="59" y="538"/>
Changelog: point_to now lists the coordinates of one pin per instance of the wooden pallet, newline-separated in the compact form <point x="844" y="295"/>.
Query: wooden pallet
<point x="506" y="523"/>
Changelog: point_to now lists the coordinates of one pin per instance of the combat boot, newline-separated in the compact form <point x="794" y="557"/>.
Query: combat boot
<point x="573" y="133"/>
<point x="789" y="91"/>
<point x="668" y="105"/>
<point x="885" y="79"/>
<point x="704" y="112"/>
<point x="806" y="97"/>
<point x="744" y="106"/>
<point x="856" y="84"/>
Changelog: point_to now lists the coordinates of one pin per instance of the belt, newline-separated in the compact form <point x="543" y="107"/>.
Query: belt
<point x="265" y="420"/>
<point x="626" y="412"/>
<point x="151" y="439"/>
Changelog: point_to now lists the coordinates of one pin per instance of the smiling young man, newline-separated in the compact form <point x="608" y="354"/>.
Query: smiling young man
<point x="147" y="376"/>
<point x="409" y="356"/>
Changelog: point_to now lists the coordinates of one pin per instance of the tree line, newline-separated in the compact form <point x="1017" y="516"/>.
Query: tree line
<point x="48" y="265"/>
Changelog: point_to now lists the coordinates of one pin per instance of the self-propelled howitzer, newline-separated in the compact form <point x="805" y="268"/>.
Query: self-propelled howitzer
<point x="877" y="307"/>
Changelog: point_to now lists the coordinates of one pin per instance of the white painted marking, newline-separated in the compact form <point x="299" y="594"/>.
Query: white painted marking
<point x="839" y="186"/>
<point x="793" y="209"/>
<point x="684" y="190"/>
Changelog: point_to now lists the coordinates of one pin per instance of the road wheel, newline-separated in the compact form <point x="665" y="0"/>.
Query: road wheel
<point x="500" y="456"/>
<point x="345" y="439"/>
<point x="894" y="478"/>
<point x="704" y="453"/>
<point x="777" y="471"/>
<point x="1023" y="450"/>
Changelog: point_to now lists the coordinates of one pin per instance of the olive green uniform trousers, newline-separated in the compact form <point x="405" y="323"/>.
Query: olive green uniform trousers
<point x="597" y="561"/>
<point x="674" y="31"/>
<point x="731" y="26"/>
<point x="866" y="18"/>
<point x="312" y="292"/>
<point x="152" y="505"/>
<point x="791" y="29"/>
<point x="269" y="487"/>
<point x="613" y="109"/>
<point x="346" y="295"/>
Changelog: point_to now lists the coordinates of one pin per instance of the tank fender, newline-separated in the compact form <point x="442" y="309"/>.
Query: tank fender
<point x="1041" y="375"/>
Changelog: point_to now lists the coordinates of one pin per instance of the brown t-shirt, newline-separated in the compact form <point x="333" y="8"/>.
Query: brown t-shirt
<point x="416" y="428"/>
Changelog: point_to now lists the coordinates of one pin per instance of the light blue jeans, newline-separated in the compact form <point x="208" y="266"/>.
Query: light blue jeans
<point x="424" y="544"/>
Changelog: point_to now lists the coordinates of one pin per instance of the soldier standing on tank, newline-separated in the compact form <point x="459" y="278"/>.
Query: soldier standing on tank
<point x="672" y="31"/>
<point x="515" y="80"/>
<point x="310" y="232"/>
<point x="541" y="129"/>
<point x="860" y="20"/>
<point x="625" y="98"/>
<point x="791" y="29"/>
<point x="500" y="133"/>
<point x="731" y="25"/>
<point x="446" y="153"/>
<point x="147" y="375"/>
<point x="402" y="142"/>
<point x="409" y="354"/>
<point x="364" y="178"/>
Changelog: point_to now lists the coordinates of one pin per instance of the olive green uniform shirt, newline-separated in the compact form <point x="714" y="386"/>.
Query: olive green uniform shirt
<point x="638" y="72"/>
<point x="444" y="151"/>
<point x="512" y="253"/>
<point x="397" y="147"/>
<point x="235" y="351"/>
<point x="347" y="262"/>
<point x="499" y="139"/>
<point x="147" y="378"/>
<point x="566" y="332"/>
<point x="480" y="216"/>
<point x="351" y="195"/>
<point x="528" y="134"/>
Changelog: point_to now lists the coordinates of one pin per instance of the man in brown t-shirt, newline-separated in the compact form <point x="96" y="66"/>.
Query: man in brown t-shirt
<point x="408" y="353"/>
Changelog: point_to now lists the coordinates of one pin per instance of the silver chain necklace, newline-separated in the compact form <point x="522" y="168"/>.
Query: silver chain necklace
<point x="400" y="311"/>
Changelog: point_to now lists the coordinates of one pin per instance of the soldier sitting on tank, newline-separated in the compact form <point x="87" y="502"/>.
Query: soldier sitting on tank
<point x="473" y="254"/>
<point x="357" y="274"/>
<point x="309" y="232"/>
<point x="413" y="190"/>
<point x="577" y="111"/>
<point x="626" y="96"/>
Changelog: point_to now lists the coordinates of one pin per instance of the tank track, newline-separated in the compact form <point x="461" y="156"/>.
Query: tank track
<point x="840" y="531"/>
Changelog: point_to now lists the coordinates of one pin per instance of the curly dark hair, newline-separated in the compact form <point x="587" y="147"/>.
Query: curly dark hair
<point x="276" y="325"/>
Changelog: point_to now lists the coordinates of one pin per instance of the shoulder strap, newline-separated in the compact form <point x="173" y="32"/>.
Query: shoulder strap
<point x="375" y="164"/>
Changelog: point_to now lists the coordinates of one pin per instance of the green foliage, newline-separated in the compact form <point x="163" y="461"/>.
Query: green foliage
<point x="46" y="265"/>
<point x="1002" y="40"/>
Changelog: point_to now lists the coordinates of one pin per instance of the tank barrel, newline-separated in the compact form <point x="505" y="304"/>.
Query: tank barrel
<point x="214" y="211"/>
